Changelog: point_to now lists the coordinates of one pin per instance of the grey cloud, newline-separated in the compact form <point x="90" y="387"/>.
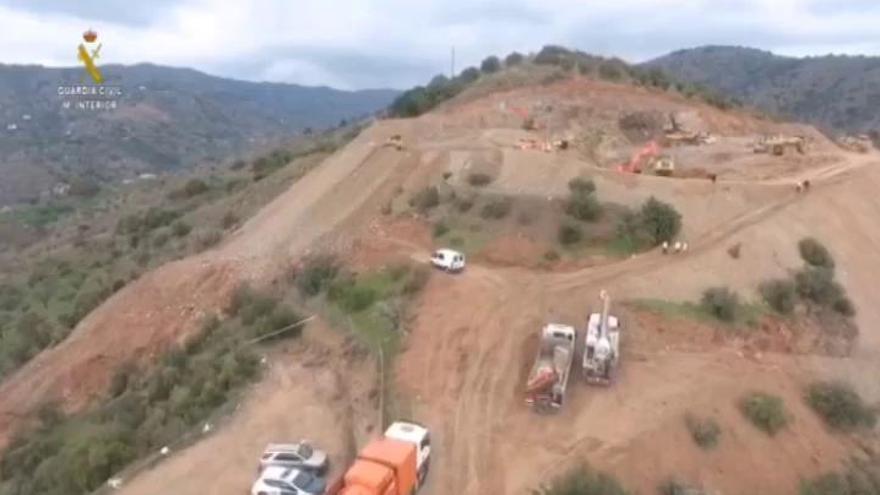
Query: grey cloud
<point x="128" y="12"/>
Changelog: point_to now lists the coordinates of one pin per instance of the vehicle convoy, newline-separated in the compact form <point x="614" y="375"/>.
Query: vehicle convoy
<point x="299" y="455"/>
<point x="396" y="464"/>
<point x="602" y="345"/>
<point x="280" y="480"/>
<point x="548" y="379"/>
<point x="448" y="260"/>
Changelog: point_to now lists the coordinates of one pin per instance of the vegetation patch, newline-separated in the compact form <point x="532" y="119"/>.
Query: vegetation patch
<point x="766" y="411"/>
<point x="721" y="302"/>
<point x="77" y="454"/>
<point x="704" y="430"/>
<point x="654" y="223"/>
<point x="496" y="209"/>
<point x="479" y="179"/>
<point x="779" y="294"/>
<point x="746" y="315"/>
<point x="860" y="477"/>
<point x="315" y="274"/>
<point x="583" y="480"/>
<point x="840" y="406"/>
<point x="814" y="253"/>
<point x="582" y="203"/>
<point x="425" y="199"/>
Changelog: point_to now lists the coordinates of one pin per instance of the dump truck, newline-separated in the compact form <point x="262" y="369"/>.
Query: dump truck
<point x="602" y="345"/>
<point x="396" y="464"/>
<point x="548" y="379"/>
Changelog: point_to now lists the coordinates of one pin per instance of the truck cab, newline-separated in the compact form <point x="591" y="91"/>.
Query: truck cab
<point x="395" y="464"/>
<point x="417" y="435"/>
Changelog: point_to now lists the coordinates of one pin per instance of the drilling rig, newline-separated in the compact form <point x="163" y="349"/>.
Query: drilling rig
<point x="602" y="346"/>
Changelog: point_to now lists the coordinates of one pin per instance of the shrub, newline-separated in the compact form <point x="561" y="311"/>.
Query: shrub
<point x="721" y="302"/>
<point x="513" y="59"/>
<point x="839" y="405"/>
<point x="818" y="285"/>
<point x="496" y="209"/>
<point x="814" y="253"/>
<point x="425" y="199"/>
<point x="860" y="478"/>
<point x="844" y="306"/>
<point x="464" y="205"/>
<point x="208" y="239"/>
<point x="704" y="431"/>
<point x="417" y="279"/>
<point x="440" y="229"/>
<point x="584" y="207"/>
<point x="765" y="411"/>
<point x="479" y="179"/>
<point x="570" y="234"/>
<point x="469" y="75"/>
<point x="490" y="64"/>
<point x="192" y="188"/>
<point x="181" y="229"/>
<point x="351" y="296"/>
<point x="583" y="481"/>
<point x="660" y="220"/>
<point x="316" y="274"/>
<point x="551" y="255"/>
<point x="581" y="185"/>
<point x="779" y="294"/>
<point x="230" y="219"/>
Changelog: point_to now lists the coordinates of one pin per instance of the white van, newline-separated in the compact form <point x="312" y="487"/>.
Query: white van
<point x="447" y="259"/>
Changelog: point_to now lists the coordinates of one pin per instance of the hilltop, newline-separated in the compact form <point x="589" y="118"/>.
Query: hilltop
<point x="839" y="93"/>
<point x="167" y="119"/>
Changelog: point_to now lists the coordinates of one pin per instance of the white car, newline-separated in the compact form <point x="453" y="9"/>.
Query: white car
<point x="280" y="480"/>
<point x="448" y="260"/>
<point x="299" y="455"/>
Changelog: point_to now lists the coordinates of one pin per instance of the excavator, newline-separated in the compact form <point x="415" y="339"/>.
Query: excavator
<point x="645" y="154"/>
<point x="602" y="346"/>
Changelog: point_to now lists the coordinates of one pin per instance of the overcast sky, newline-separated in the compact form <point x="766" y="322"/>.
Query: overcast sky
<point x="354" y="44"/>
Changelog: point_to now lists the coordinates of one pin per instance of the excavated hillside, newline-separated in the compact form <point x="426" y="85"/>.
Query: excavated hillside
<point x="472" y="338"/>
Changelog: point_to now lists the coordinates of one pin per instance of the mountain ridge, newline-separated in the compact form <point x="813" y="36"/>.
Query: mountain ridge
<point x="835" y="92"/>
<point x="166" y="118"/>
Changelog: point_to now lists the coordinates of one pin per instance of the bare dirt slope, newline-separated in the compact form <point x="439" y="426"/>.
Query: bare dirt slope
<point x="163" y="307"/>
<point x="474" y="336"/>
<point x="320" y="390"/>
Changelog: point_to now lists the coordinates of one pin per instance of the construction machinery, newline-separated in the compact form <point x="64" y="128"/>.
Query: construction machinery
<point x="777" y="145"/>
<point x="663" y="165"/>
<point x="641" y="157"/>
<point x="395" y="141"/>
<point x="676" y="135"/>
<point x="548" y="379"/>
<point x="857" y="144"/>
<point x="396" y="464"/>
<point x="602" y="345"/>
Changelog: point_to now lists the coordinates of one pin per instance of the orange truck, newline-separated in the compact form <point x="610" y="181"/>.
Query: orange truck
<point x="396" y="464"/>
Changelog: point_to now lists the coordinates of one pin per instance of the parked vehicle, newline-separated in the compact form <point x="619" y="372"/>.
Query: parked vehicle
<point x="300" y="455"/>
<point x="396" y="464"/>
<point x="280" y="480"/>
<point x="601" y="345"/>
<point x="548" y="379"/>
<point x="448" y="260"/>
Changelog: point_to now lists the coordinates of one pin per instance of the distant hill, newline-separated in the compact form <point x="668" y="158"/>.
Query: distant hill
<point x="166" y="118"/>
<point x="835" y="92"/>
